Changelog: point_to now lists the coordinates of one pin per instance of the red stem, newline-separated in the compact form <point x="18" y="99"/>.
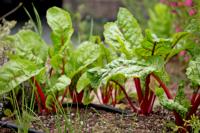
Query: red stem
<point x="163" y="86"/>
<point x="135" y="109"/>
<point x="138" y="89"/>
<point x="179" y="121"/>
<point x="76" y="97"/>
<point x="194" y="107"/>
<point x="194" y="96"/>
<point x="40" y="92"/>
<point x="144" y="104"/>
<point x="151" y="103"/>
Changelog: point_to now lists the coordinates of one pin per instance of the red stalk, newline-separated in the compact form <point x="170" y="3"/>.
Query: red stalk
<point x="151" y="103"/>
<point x="138" y="89"/>
<point x="179" y="121"/>
<point x="76" y="97"/>
<point x="144" y="104"/>
<point x="194" y="96"/>
<point x="163" y="86"/>
<point x="135" y="109"/>
<point x="40" y="92"/>
<point x="194" y="107"/>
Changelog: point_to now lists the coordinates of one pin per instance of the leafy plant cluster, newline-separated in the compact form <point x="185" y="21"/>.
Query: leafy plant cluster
<point x="61" y="70"/>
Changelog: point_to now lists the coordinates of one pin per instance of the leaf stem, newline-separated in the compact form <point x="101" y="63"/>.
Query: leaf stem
<point x="40" y="92"/>
<point x="135" y="109"/>
<point x="194" y="107"/>
<point x="138" y="89"/>
<point x="163" y="86"/>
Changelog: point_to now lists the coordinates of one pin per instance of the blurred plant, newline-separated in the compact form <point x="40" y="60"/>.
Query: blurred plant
<point x="5" y="29"/>
<point x="140" y="9"/>
<point x="156" y="17"/>
<point x="84" y="25"/>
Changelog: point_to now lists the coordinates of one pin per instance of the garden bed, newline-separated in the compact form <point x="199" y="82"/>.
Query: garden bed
<point x="93" y="120"/>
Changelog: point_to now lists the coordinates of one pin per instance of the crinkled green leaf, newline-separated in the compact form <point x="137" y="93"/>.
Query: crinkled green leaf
<point x="166" y="48"/>
<point x="152" y="45"/>
<point x="161" y="20"/>
<point x="124" y="34"/>
<point x="121" y="68"/>
<point x="170" y="104"/>
<point x="178" y="44"/>
<point x="83" y="56"/>
<point x="116" y="40"/>
<point x="129" y="27"/>
<point x="15" y="72"/>
<point x="193" y="26"/>
<point x="61" y="84"/>
<point x="29" y="45"/>
<point x="193" y="71"/>
<point x="181" y="97"/>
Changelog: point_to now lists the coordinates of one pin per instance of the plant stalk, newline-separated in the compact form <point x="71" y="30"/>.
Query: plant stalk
<point x="135" y="109"/>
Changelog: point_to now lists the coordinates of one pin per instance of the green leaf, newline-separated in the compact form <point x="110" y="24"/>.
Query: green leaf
<point x="115" y="39"/>
<point x="87" y="98"/>
<point x="15" y="72"/>
<point x="170" y="104"/>
<point x="160" y="24"/>
<point x="119" y="69"/>
<point x="193" y="26"/>
<point x="152" y="45"/>
<point x="60" y="85"/>
<point x="49" y="102"/>
<point x="83" y="82"/>
<point x="193" y="71"/>
<point x="106" y="56"/>
<point x="125" y="34"/>
<point x="129" y="27"/>
<point x="60" y="22"/>
<point x="84" y="55"/>
<point x="178" y="44"/>
<point x="29" y="45"/>
<point x="181" y="97"/>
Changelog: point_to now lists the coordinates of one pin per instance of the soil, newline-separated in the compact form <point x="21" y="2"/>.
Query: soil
<point x="99" y="121"/>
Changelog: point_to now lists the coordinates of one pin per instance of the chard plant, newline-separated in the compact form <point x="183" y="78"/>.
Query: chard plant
<point x="184" y="108"/>
<point x="140" y="57"/>
<point x="52" y="69"/>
